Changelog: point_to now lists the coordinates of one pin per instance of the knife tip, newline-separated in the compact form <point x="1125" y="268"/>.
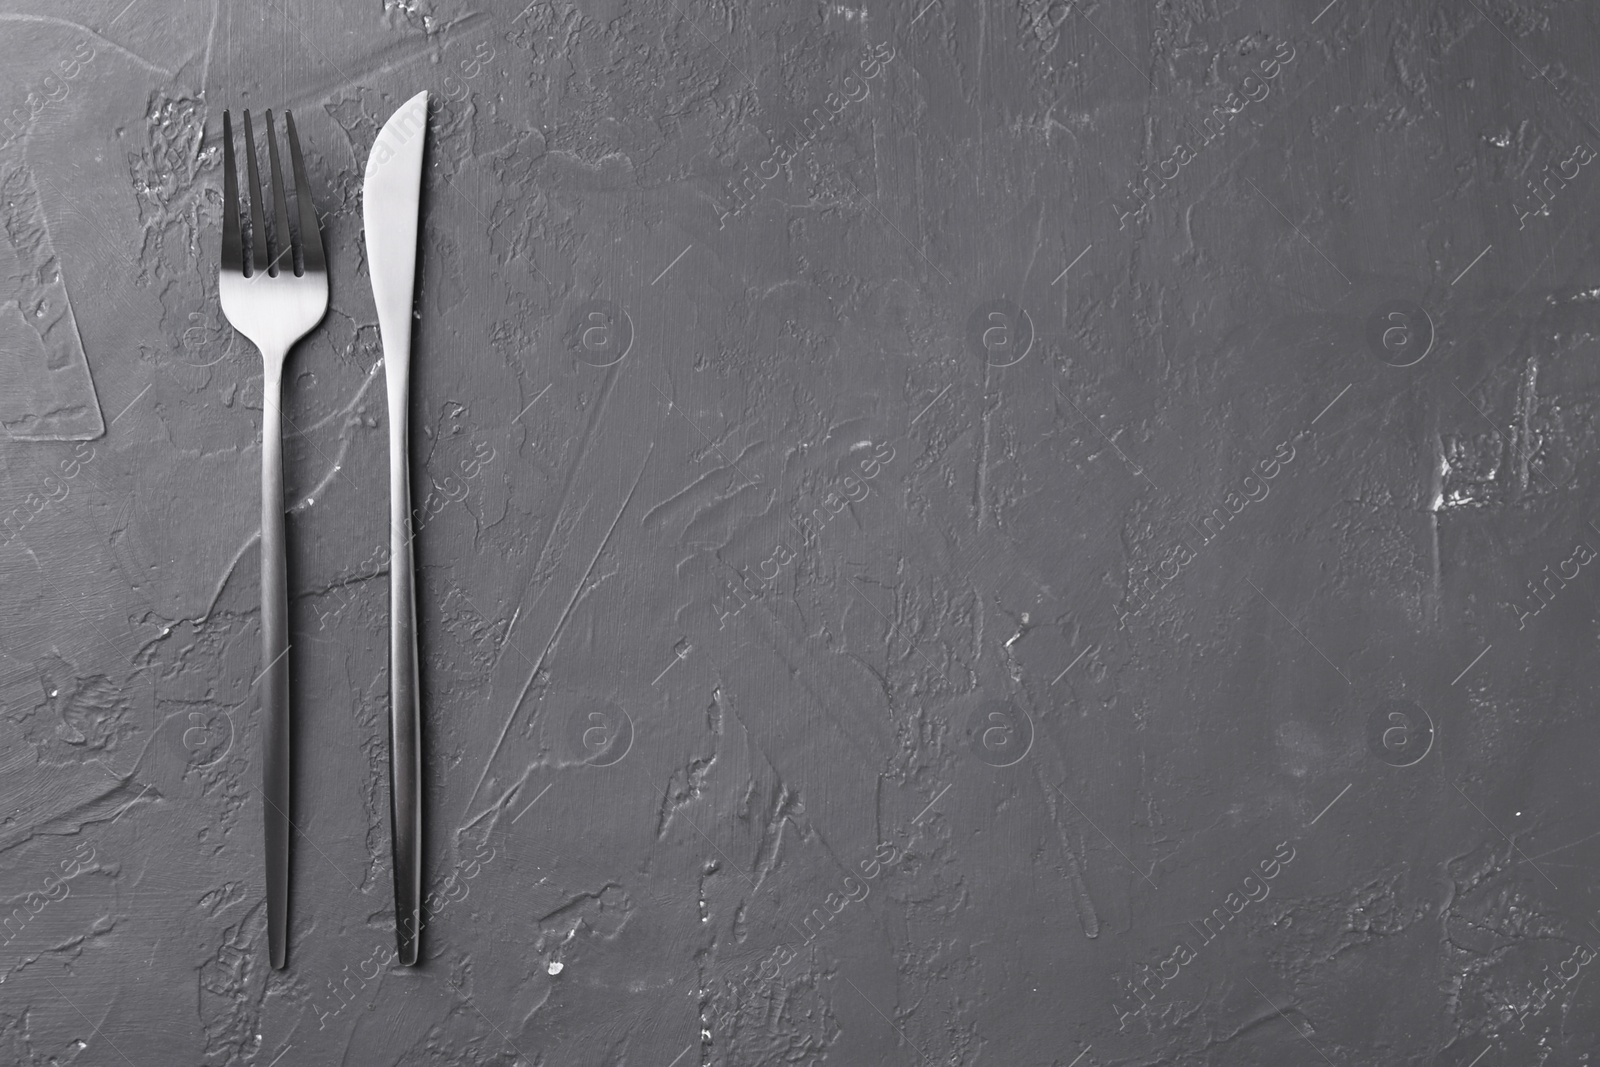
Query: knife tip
<point x="400" y="130"/>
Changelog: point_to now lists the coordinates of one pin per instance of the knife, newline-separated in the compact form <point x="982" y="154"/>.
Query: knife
<point x="391" y="197"/>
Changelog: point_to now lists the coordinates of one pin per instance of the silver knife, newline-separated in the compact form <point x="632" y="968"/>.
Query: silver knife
<point x="391" y="197"/>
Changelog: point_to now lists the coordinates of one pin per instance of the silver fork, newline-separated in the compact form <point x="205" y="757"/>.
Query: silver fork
<point x="273" y="305"/>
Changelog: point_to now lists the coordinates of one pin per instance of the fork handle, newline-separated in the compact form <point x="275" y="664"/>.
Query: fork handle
<point x="274" y="679"/>
<point x="405" y="740"/>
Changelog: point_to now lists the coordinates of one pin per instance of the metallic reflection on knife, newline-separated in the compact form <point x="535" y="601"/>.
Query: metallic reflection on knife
<point x="391" y="197"/>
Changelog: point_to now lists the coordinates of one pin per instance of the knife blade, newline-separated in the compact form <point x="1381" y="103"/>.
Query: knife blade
<point x="391" y="199"/>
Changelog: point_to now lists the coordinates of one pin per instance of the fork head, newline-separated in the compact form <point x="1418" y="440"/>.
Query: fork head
<point x="278" y="292"/>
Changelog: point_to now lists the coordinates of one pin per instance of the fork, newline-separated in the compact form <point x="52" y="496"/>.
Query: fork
<point x="273" y="305"/>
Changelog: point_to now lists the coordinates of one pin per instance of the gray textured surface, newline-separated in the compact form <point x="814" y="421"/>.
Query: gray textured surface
<point x="1131" y="663"/>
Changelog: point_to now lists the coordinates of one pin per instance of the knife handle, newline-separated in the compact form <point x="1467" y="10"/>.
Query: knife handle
<point x="275" y="671"/>
<point x="405" y="726"/>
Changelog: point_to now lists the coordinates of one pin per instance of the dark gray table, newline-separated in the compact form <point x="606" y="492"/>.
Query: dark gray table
<point x="1019" y="533"/>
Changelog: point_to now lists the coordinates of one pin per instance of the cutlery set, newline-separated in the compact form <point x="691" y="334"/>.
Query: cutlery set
<point x="274" y="296"/>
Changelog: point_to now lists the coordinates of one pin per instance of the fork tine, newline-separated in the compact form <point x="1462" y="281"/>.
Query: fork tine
<point x="232" y="244"/>
<point x="284" y="257"/>
<point x="310" y="238"/>
<point x="258" y="224"/>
